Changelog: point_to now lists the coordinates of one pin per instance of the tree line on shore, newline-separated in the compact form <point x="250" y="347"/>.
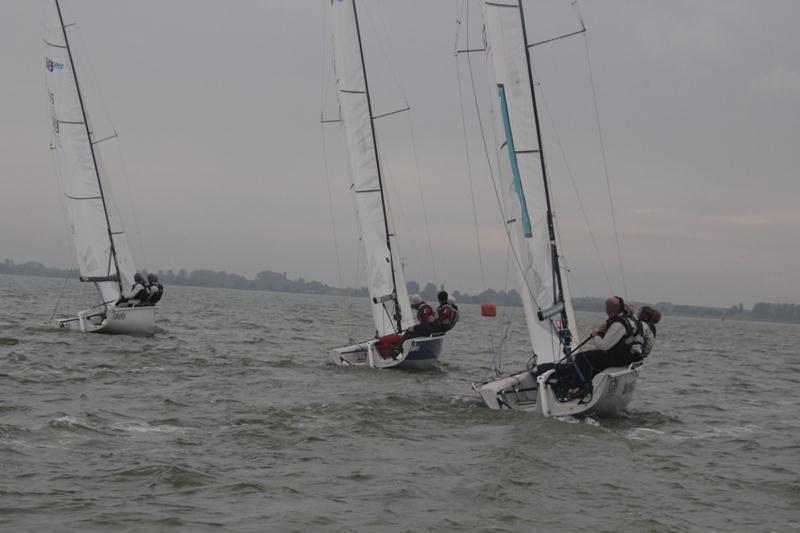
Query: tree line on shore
<point x="279" y="282"/>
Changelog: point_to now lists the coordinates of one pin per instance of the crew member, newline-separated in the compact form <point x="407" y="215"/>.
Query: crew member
<point x="445" y="314"/>
<point x="425" y="317"/>
<point x="155" y="291"/>
<point x="649" y="317"/>
<point x="618" y="342"/>
<point x="452" y="301"/>
<point x="138" y="293"/>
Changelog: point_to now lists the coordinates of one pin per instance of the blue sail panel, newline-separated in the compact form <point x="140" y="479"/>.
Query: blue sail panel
<point x="512" y="156"/>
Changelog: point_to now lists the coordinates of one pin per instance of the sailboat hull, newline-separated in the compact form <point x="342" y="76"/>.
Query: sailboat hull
<point x="612" y="392"/>
<point x="121" y="321"/>
<point x="418" y="353"/>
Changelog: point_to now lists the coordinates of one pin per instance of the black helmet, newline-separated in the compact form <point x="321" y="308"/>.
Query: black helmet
<point x="152" y="278"/>
<point x="442" y="296"/>
<point x="138" y="277"/>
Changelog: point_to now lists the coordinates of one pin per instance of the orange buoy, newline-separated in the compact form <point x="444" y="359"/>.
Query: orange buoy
<point x="488" y="309"/>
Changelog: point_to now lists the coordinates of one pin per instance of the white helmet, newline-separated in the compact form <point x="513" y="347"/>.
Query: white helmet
<point x="415" y="299"/>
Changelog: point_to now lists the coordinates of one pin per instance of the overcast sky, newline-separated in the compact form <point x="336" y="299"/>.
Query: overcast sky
<point x="219" y="162"/>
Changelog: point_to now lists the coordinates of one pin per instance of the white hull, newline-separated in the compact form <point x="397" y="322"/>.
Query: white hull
<point x="123" y="320"/>
<point x="612" y="391"/>
<point x="419" y="353"/>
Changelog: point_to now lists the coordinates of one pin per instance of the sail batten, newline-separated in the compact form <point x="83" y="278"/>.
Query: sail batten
<point x="522" y="174"/>
<point x="385" y="280"/>
<point x="102" y="253"/>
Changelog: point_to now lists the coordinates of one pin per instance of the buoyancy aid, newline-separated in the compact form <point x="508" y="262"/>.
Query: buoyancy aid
<point x="425" y="314"/>
<point x="156" y="295"/>
<point x="446" y="316"/>
<point x="139" y="292"/>
<point x="629" y="347"/>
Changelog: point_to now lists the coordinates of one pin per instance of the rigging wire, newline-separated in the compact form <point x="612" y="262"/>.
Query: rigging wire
<point x="61" y="292"/>
<point x="504" y="218"/>
<point x="525" y="283"/>
<point x="378" y="26"/>
<point x="98" y="97"/>
<point x="574" y="187"/>
<point x="466" y="149"/>
<point x="436" y="279"/>
<point x="323" y="96"/>
<point x="603" y="154"/>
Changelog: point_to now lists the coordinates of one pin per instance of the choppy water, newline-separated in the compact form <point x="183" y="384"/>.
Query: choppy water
<point x="231" y="418"/>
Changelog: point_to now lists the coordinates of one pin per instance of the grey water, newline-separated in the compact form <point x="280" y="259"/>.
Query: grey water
<point x="232" y="418"/>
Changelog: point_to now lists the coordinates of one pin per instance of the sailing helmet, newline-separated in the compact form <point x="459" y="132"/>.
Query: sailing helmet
<point x="442" y="296"/>
<point x="415" y="299"/>
<point x="152" y="278"/>
<point x="138" y="277"/>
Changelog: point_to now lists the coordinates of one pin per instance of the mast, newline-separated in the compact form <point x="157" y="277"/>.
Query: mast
<point x="558" y="291"/>
<point x="91" y="145"/>
<point x="398" y="315"/>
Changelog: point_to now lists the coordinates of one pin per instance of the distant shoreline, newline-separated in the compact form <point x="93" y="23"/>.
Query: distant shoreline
<point x="279" y="282"/>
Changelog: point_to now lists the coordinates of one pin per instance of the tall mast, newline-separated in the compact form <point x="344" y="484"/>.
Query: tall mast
<point x="91" y="145"/>
<point x="558" y="291"/>
<point x="378" y="166"/>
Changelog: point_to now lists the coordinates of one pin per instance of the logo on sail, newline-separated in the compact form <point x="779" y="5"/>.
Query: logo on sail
<point x="53" y="65"/>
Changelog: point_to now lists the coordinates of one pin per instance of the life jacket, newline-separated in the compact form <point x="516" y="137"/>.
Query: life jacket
<point x="425" y="314"/>
<point x="139" y="292"/>
<point x="629" y="347"/>
<point x="156" y="295"/>
<point x="447" y="316"/>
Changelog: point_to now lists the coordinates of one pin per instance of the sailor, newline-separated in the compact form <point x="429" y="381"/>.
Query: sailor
<point x="155" y="291"/>
<point x="425" y="316"/>
<point x="649" y="317"/>
<point x="137" y="294"/>
<point x="618" y="342"/>
<point x="445" y="314"/>
<point x="452" y="301"/>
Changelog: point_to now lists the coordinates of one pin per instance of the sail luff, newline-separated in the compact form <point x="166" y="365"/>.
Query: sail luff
<point x="390" y="307"/>
<point x="377" y="165"/>
<point x="558" y="291"/>
<point x="89" y="137"/>
<point x="102" y="251"/>
<point x="523" y="176"/>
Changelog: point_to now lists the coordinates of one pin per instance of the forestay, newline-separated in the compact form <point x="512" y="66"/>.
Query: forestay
<point x="522" y="174"/>
<point x="101" y="248"/>
<point x="385" y="279"/>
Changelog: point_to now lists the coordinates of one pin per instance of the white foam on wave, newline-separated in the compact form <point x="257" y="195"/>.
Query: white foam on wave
<point x="72" y="421"/>
<point x="644" y="433"/>
<point x="145" y="427"/>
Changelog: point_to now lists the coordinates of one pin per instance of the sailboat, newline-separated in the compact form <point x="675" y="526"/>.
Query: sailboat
<point x="391" y="311"/>
<point x="531" y="228"/>
<point x="102" y="251"/>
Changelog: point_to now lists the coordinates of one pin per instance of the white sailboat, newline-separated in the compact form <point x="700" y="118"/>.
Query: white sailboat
<point x="103" y="256"/>
<point x="391" y="310"/>
<point x="532" y="233"/>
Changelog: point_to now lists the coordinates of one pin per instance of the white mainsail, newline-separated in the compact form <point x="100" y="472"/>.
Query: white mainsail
<point x="385" y="279"/>
<point x="102" y="251"/>
<point x="522" y="174"/>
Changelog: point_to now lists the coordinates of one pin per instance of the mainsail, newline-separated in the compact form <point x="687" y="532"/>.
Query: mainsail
<point x="385" y="280"/>
<point x="523" y="177"/>
<point x="102" y="251"/>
